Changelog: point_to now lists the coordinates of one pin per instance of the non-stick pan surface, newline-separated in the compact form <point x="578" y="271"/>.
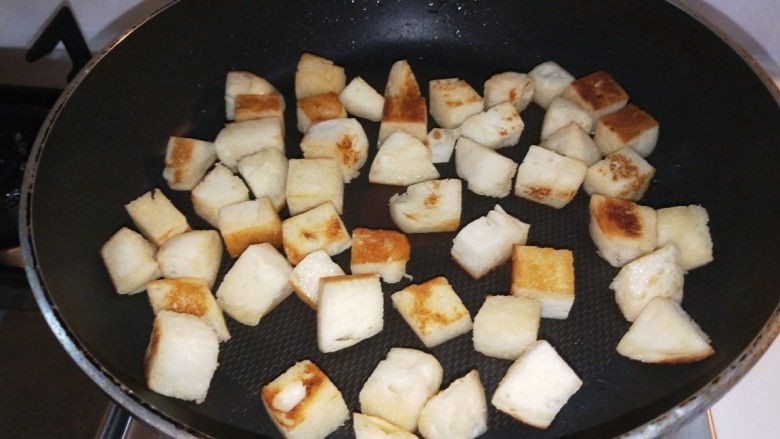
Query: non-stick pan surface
<point x="718" y="147"/>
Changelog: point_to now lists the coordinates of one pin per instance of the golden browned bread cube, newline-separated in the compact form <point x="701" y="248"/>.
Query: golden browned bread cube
<point x="316" y="75"/>
<point x="506" y="325"/>
<point x="514" y="87"/>
<point x="430" y="206"/>
<point x="547" y="275"/>
<point x="320" y="228"/>
<point x="627" y="127"/>
<point x="156" y="217"/>
<point x="621" y="174"/>
<point x="401" y="81"/>
<point x="549" y="178"/>
<point x="317" y="108"/>
<point x="240" y="139"/>
<point x="404" y="113"/>
<point x="249" y="222"/>
<point x="311" y="182"/>
<point x="622" y="230"/>
<point x="598" y="93"/>
<point x="385" y="252"/>
<point x="401" y="161"/>
<point x="452" y="101"/>
<point x="196" y="253"/>
<point x="130" y="261"/>
<point x="362" y="100"/>
<point x="188" y="296"/>
<point x="219" y="188"/>
<point x="343" y="140"/>
<point x="260" y="106"/>
<point x="244" y="83"/>
<point x="186" y="162"/>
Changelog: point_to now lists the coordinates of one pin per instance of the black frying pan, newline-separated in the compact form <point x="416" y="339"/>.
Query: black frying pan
<point x="720" y="130"/>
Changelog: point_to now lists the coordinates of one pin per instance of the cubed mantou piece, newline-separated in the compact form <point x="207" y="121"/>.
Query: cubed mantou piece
<point x="317" y="108"/>
<point x="130" y="261"/>
<point x="307" y="274"/>
<point x="622" y="230"/>
<point x="430" y="206"/>
<point x="547" y="275"/>
<point x="188" y="296"/>
<point x="256" y="283"/>
<point x="350" y="309"/>
<point x="598" y="93"/>
<point x="452" y="100"/>
<point x="572" y="141"/>
<point x="315" y="75"/>
<point x="250" y="107"/>
<point x="549" y="178"/>
<point x="401" y="81"/>
<point x="656" y="274"/>
<point x="687" y="227"/>
<point x="536" y="386"/>
<point x="197" y="253"/>
<point x="621" y="174"/>
<point x="240" y="139"/>
<point x="506" y="325"/>
<point x="628" y="127"/>
<point x="187" y="161"/>
<point x="403" y="113"/>
<point x="304" y="403"/>
<point x="384" y="252"/>
<point x="401" y="161"/>
<point x="156" y="217"/>
<point x="486" y="171"/>
<point x="550" y="80"/>
<point x="400" y="385"/>
<point x="249" y="222"/>
<point x="265" y="172"/>
<point x="181" y="356"/>
<point x="562" y="112"/>
<point x="486" y="243"/>
<point x="664" y="333"/>
<point x="343" y="140"/>
<point x="219" y="188"/>
<point x="433" y="310"/>
<point x="497" y="127"/>
<point x="514" y="87"/>
<point x="456" y="412"/>
<point x="239" y="82"/>
<point x="362" y="100"/>
<point x="374" y="427"/>
<point x="320" y="228"/>
<point x="313" y="181"/>
<point x="441" y="142"/>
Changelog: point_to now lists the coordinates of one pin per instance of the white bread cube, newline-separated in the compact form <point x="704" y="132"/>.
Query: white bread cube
<point x="550" y="80"/>
<point x="572" y="141"/>
<point x="598" y="93"/>
<point x="622" y="230"/>
<point x="486" y="243"/>
<point x="306" y="276"/>
<point x="250" y="106"/>
<point x="627" y="127"/>
<point x="401" y="81"/>
<point x="384" y="252"/>
<point x="317" y="108"/>
<point x="452" y="100"/>
<point x="240" y="139"/>
<point x="186" y="162"/>
<point x="374" y="427"/>
<point x="686" y="227"/>
<point x="402" y="160"/>
<point x="181" y="356"/>
<point x="196" y="253"/>
<point x="129" y="260"/>
<point x="536" y="386"/>
<point x="350" y="309"/>
<point x="544" y="274"/>
<point x="156" y="217"/>
<point x="562" y="112"/>
<point x="496" y="127"/>
<point x="249" y="222"/>
<point x="486" y="171"/>
<point x="304" y="403"/>
<point x="320" y="228"/>
<point x="188" y="296"/>
<point x="430" y="206"/>
<point x="244" y="83"/>
<point x="433" y="310"/>
<point x="656" y="274"/>
<point x="311" y="182"/>
<point x="441" y="142"/>
<point x="265" y="172"/>
<point x="664" y="333"/>
<point x="315" y="75"/>
<point x="400" y="385"/>
<point x="256" y="283"/>
<point x="457" y="412"/>
<point x="514" y="87"/>
<point x="549" y="178"/>
<point x="362" y="100"/>
<point x="219" y="188"/>
<point x="340" y="139"/>
<point x="621" y="174"/>
<point x="403" y="113"/>
<point x="506" y="325"/>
